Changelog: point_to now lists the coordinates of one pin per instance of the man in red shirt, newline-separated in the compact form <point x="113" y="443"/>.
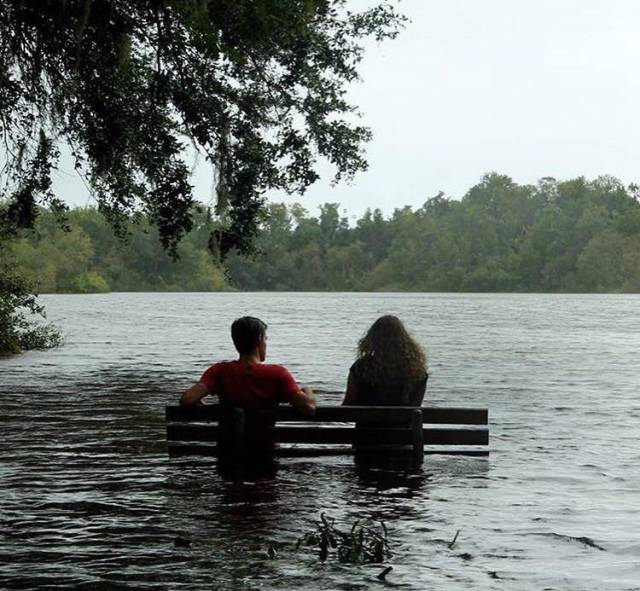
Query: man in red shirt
<point x="248" y="382"/>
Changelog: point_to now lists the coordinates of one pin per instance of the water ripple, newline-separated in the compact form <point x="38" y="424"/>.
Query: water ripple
<point x="89" y="499"/>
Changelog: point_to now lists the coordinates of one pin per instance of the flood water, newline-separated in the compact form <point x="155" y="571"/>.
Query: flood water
<point x="89" y="499"/>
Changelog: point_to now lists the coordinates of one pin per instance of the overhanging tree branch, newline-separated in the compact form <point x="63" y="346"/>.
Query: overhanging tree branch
<point x="259" y="86"/>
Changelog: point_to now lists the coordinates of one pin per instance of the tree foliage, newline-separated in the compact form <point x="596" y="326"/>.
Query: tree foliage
<point x="18" y="306"/>
<point x="555" y="236"/>
<point x="257" y="85"/>
<point x="131" y="87"/>
<point x="90" y="259"/>
<point x="570" y="236"/>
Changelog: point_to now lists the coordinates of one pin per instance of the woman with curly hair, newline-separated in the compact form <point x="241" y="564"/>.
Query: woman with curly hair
<point x="391" y="369"/>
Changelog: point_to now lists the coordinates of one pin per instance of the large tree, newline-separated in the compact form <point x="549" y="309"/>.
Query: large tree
<point x="131" y="85"/>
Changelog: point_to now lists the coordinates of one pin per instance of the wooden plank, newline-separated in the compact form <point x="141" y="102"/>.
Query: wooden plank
<point x="206" y="412"/>
<point x="302" y="452"/>
<point x="314" y="434"/>
<point x="312" y="452"/>
<point x="346" y="414"/>
<point x="454" y="416"/>
<point x="417" y="437"/>
<point x="455" y="436"/>
<point x="176" y="451"/>
<point x="391" y="414"/>
<point x="201" y="450"/>
<point x="483" y="453"/>
<point x="341" y="435"/>
<point x="192" y="432"/>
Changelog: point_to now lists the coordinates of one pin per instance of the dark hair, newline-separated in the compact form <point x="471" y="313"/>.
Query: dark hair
<point x="246" y="332"/>
<point x="390" y="351"/>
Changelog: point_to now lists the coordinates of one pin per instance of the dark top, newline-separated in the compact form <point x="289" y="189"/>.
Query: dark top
<point x="390" y="391"/>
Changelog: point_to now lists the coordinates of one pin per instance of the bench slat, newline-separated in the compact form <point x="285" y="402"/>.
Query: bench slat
<point x="177" y="451"/>
<point x="340" y="435"/>
<point x="391" y="414"/>
<point x="207" y="412"/>
<point x="318" y="435"/>
<point x="482" y="453"/>
<point x="455" y="436"/>
<point x="185" y="450"/>
<point x="430" y="415"/>
<point x="348" y="414"/>
<point x="192" y="433"/>
<point x="455" y="416"/>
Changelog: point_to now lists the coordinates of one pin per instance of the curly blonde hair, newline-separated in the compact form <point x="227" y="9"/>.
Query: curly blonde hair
<point x="390" y="352"/>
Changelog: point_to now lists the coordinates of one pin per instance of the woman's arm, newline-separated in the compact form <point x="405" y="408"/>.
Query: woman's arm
<point x="419" y="390"/>
<point x="351" y="396"/>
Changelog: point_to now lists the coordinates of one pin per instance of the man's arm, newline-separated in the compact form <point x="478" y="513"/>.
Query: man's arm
<point x="194" y="395"/>
<point x="304" y="401"/>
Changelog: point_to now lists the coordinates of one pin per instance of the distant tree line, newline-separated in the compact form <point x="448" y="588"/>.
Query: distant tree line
<point x="86" y="256"/>
<point x="575" y="235"/>
<point x="554" y="236"/>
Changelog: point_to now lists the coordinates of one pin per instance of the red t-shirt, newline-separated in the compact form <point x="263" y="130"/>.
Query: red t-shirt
<point x="250" y="385"/>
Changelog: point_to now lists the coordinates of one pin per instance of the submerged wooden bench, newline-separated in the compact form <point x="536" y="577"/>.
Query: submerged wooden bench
<point x="332" y="430"/>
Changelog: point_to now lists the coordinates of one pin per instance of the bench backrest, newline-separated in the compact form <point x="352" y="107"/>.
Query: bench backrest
<point x="196" y="430"/>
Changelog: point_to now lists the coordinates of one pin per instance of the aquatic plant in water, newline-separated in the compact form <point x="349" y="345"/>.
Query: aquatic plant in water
<point x="363" y="543"/>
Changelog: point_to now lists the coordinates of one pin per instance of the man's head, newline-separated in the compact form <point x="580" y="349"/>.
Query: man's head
<point x="249" y="336"/>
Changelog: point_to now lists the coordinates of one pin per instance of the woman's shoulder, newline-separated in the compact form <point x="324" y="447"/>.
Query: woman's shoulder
<point x="356" y="364"/>
<point x="359" y="366"/>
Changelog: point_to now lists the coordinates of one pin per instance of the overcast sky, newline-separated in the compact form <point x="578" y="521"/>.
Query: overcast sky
<point x="529" y="88"/>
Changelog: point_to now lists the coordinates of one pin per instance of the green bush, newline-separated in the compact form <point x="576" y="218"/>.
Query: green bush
<point x="18" y="309"/>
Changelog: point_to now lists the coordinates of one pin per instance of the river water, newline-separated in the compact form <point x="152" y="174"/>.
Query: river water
<point x="89" y="499"/>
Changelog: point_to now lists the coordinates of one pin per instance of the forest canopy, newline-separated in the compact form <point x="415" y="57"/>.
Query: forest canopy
<point x="570" y="236"/>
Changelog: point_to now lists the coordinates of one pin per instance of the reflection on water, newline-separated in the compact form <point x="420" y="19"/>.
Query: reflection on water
<point x="89" y="499"/>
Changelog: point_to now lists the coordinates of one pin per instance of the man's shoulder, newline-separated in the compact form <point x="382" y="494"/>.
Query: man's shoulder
<point x="274" y="368"/>
<point x="221" y="366"/>
<point x="280" y="377"/>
